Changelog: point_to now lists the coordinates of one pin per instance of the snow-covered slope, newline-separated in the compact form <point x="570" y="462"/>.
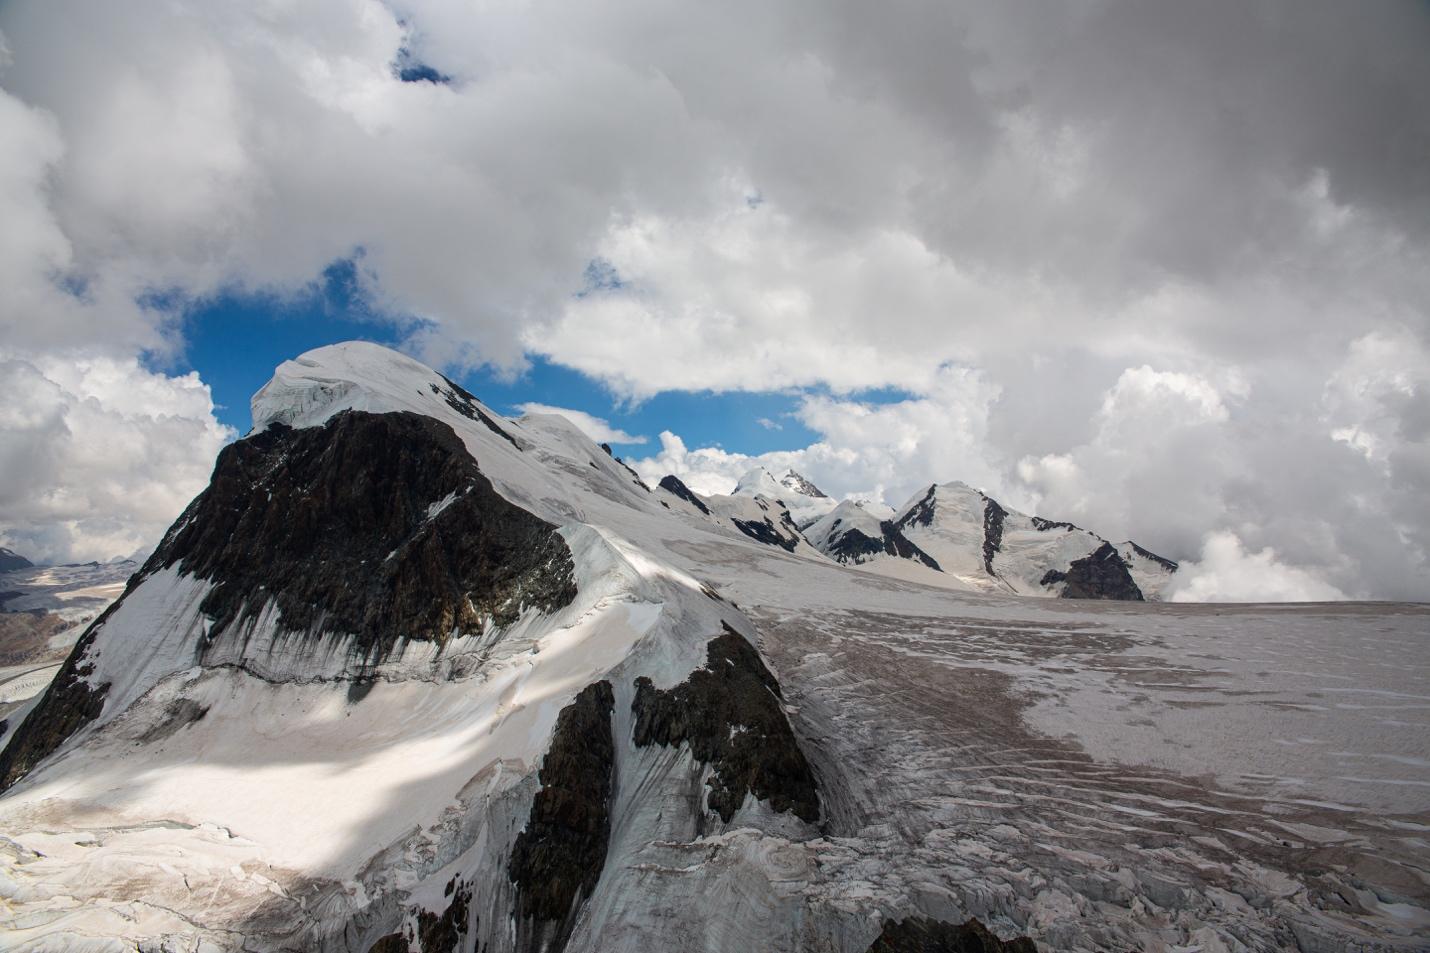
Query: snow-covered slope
<point x="1151" y="572"/>
<point x="851" y="535"/>
<point x="763" y="520"/>
<point x="413" y="676"/>
<point x="805" y="501"/>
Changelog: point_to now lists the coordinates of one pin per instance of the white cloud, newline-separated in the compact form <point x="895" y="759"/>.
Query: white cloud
<point x="596" y="428"/>
<point x="1183" y="282"/>
<point x="98" y="456"/>
<point x="1226" y="572"/>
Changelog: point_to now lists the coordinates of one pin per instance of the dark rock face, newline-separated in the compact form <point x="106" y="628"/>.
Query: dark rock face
<point x="69" y="704"/>
<point x="1045" y="526"/>
<point x="11" y="561"/>
<point x="380" y="526"/>
<point x="671" y="484"/>
<point x="896" y="544"/>
<point x="332" y="524"/>
<point x="557" y="859"/>
<point x="729" y="713"/>
<point x="919" y="935"/>
<point x="463" y="402"/>
<point x="798" y="483"/>
<point x="765" y="532"/>
<point x="1101" y="575"/>
<point x="993" y="516"/>
<point x="1165" y="563"/>
<point x="634" y="475"/>
<point x="785" y="534"/>
<point x="853" y="546"/>
<point x="443" y="932"/>
<point x="922" y="512"/>
<point x="392" y="943"/>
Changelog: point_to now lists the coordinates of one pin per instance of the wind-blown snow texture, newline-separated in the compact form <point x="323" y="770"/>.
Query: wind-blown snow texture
<point x="1091" y="775"/>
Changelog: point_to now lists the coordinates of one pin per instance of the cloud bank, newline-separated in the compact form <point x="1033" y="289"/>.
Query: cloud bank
<point x="1156" y="267"/>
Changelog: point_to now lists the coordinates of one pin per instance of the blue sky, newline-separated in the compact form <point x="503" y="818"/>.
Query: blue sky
<point x="236" y="339"/>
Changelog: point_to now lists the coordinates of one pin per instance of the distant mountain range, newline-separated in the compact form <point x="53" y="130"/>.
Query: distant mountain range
<point x="948" y="534"/>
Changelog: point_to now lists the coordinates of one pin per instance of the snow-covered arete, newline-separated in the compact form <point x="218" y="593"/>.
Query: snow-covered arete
<point x="805" y="501"/>
<point x="1093" y="775"/>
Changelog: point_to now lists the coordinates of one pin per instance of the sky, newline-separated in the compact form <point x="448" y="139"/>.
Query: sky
<point x="1158" y="268"/>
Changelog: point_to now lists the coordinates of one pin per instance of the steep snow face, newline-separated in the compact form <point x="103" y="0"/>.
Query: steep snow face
<point x="805" y="501"/>
<point x="1151" y="572"/>
<point x="759" y="482"/>
<point x="988" y="546"/>
<point x="845" y="518"/>
<point x="947" y="522"/>
<point x="850" y="535"/>
<point x="762" y="519"/>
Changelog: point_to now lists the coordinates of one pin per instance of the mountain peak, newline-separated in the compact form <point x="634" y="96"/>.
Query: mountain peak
<point x="758" y="481"/>
<point x="800" y="484"/>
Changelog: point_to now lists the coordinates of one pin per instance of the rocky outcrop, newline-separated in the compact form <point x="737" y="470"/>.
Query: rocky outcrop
<point x="557" y="859"/>
<point x="465" y="403"/>
<point x="1101" y="575"/>
<point x="921" y="513"/>
<point x="993" y="516"/>
<point x="764" y="531"/>
<point x="731" y="715"/>
<point x="851" y="545"/>
<point x="376" y="526"/>
<point x="798" y="483"/>
<point x="11" y="561"/>
<point x="672" y="485"/>
<point x="443" y="932"/>
<point x="920" y="935"/>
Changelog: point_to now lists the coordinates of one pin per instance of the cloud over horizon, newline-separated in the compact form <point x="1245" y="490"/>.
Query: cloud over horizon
<point x="1160" y="268"/>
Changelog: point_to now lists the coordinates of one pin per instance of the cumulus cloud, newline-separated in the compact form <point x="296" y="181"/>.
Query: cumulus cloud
<point x="1161" y="268"/>
<point x="1226" y="572"/>
<point x="596" y="428"/>
<point x="97" y="456"/>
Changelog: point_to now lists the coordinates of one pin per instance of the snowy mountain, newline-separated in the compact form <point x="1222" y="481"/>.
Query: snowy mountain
<point x="986" y="546"/>
<point x="409" y="675"/>
<point x="805" y="501"/>
<point x="751" y="510"/>
<point x="969" y="539"/>
<point x="850" y="534"/>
